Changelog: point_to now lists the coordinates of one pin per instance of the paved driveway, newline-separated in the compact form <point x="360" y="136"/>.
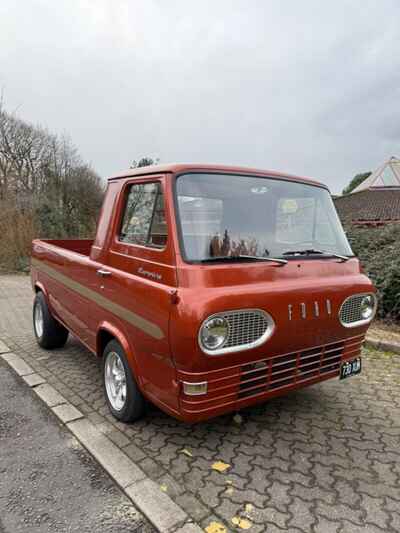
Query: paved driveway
<point x="325" y="459"/>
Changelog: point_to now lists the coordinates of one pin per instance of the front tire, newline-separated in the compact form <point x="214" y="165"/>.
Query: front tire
<point x="122" y="393"/>
<point x="49" y="332"/>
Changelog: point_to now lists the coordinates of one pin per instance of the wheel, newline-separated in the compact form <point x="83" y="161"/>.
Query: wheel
<point x="48" y="331"/>
<point x="122" y="393"/>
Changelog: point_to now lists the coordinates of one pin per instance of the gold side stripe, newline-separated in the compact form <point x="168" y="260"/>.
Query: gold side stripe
<point x="125" y="314"/>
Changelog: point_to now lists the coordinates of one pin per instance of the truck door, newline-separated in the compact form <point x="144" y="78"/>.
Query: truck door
<point x="137" y="278"/>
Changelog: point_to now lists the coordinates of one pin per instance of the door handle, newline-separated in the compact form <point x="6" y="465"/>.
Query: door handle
<point x="103" y="273"/>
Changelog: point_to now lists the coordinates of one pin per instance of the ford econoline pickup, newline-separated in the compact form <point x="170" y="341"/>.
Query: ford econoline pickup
<point x="207" y="289"/>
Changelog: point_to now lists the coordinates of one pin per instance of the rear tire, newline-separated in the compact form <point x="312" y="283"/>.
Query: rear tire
<point x="49" y="332"/>
<point x="121" y="391"/>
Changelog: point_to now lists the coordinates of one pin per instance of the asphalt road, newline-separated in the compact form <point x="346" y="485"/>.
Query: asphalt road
<point x="48" y="482"/>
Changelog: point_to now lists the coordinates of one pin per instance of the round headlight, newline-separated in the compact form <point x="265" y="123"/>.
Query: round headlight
<point x="214" y="333"/>
<point x="367" y="307"/>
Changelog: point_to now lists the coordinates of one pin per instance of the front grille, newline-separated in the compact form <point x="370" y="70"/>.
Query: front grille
<point x="283" y="370"/>
<point x="240" y="385"/>
<point x="245" y="327"/>
<point x="350" y="311"/>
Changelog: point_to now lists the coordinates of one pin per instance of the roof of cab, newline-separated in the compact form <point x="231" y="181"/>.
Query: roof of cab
<point x="180" y="168"/>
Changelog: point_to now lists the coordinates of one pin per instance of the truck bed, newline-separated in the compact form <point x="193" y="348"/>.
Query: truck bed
<point x="80" y="246"/>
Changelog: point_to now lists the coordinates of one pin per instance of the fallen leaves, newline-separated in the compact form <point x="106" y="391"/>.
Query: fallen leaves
<point x="186" y="452"/>
<point x="238" y="521"/>
<point x="238" y="419"/>
<point x="220" y="466"/>
<point x="164" y="488"/>
<point x="229" y="489"/>
<point x="216" y="527"/>
<point x="243" y="523"/>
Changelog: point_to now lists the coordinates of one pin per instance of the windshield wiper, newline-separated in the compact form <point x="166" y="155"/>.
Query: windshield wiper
<point x="312" y="251"/>
<point x="242" y="256"/>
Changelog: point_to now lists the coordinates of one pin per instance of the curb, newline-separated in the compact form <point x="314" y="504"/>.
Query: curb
<point x="164" y="514"/>
<point x="374" y="342"/>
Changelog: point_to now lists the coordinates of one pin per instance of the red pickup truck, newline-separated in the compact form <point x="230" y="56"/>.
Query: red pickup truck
<point x="207" y="289"/>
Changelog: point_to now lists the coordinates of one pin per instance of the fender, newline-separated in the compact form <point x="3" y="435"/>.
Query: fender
<point x="38" y="286"/>
<point x="126" y="345"/>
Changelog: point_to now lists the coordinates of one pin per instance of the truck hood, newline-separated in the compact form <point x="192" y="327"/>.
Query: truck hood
<point x="303" y="298"/>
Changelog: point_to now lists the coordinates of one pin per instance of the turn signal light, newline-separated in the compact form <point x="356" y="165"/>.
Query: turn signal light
<point x="194" y="389"/>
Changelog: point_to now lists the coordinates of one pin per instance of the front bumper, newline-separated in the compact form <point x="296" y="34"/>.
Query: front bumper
<point x="235" y="387"/>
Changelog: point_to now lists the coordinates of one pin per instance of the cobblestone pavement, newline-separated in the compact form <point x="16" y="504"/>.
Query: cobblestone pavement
<point x="325" y="459"/>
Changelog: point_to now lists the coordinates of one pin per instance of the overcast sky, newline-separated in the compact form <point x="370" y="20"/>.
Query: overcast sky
<point x="307" y="87"/>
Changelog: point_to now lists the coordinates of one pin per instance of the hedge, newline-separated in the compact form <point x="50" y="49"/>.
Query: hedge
<point x="378" y="249"/>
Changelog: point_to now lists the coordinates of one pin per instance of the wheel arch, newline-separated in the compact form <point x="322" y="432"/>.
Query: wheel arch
<point x="108" y="332"/>
<point x="39" y="287"/>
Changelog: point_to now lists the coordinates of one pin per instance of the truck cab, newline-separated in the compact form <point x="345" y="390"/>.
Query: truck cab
<point x="207" y="289"/>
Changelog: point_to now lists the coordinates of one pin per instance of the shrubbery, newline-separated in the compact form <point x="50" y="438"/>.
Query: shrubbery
<point x="46" y="190"/>
<point x="379" y="252"/>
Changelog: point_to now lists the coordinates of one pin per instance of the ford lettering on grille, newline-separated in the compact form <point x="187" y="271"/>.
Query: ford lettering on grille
<point x="311" y="310"/>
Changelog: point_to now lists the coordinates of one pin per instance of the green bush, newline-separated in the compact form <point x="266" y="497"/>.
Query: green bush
<point x="379" y="252"/>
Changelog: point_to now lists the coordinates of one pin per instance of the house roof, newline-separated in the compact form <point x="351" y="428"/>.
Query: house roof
<point x="385" y="176"/>
<point x="370" y="206"/>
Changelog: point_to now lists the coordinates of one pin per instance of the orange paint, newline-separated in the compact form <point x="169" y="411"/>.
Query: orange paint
<point x="154" y="303"/>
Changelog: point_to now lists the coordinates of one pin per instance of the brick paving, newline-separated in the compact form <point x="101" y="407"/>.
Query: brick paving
<point x="325" y="459"/>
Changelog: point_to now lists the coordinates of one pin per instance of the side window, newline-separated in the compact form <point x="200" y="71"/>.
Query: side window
<point x="105" y="215"/>
<point x="143" y="221"/>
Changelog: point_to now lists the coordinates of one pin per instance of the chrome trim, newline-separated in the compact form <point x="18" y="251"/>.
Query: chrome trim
<point x="328" y="307"/>
<point x="115" y="381"/>
<point x="38" y="319"/>
<point x="316" y="309"/>
<point x="103" y="273"/>
<point x="363" y="321"/>
<point x="303" y="310"/>
<point x="240" y="347"/>
<point x="290" y="311"/>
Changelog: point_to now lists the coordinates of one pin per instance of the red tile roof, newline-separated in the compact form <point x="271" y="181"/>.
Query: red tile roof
<point x="373" y="206"/>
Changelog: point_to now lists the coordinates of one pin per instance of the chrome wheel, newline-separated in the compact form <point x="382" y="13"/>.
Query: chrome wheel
<point x="38" y="320"/>
<point x="115" y="380"/>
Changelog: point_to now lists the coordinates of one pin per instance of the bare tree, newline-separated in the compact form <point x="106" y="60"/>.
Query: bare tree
<point x="144" y="162"/>
<point x="44" y="180"/>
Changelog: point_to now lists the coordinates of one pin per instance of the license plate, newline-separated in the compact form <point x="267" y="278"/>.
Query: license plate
<point x="350" y="368"/>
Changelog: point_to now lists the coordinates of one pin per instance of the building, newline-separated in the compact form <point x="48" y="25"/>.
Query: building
<point x="376" y="201"/>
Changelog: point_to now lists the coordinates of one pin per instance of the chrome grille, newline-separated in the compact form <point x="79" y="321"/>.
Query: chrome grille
<point x="245" y="327"/>
<point x="350" y="311"/>
<point x="284" y="370"/>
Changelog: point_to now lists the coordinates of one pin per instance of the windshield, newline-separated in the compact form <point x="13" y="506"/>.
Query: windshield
<point x="223" y="215"/>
